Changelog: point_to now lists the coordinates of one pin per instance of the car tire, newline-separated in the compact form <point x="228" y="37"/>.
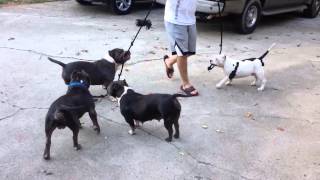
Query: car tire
<point x="121" y="7"/>
<point x="249" y="18"/>
<point x="84" y="3"/>
<point x="313" y="9"/>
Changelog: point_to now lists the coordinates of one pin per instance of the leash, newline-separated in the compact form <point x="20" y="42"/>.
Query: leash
<point x="140" y="23"/>
<point x="221" y="30"/>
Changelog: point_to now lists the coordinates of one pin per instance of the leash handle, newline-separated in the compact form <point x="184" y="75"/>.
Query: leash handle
<point x="135" y="37"/>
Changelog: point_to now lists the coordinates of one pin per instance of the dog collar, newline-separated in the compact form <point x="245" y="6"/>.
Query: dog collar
<point x="78" y="84"/>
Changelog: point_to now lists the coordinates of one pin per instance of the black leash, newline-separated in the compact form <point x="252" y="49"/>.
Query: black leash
<point x="221" y="30"/>
<point x="140" y="23"/>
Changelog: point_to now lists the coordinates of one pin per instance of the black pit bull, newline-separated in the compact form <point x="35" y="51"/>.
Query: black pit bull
<point x="68" y="109"/>
<point x="101" y="72"/>
<point x="138" y="107"/>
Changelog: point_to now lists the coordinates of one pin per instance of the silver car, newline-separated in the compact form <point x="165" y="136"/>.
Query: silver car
<point x="249" y="12"/>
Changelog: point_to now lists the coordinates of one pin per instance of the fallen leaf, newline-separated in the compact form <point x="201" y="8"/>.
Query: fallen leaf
<point x="249" y="115"/>
<point x="280" y="129"/>
<point x="250" y="37"/>
<point x="299" y="45"/>
<point x="126" y="69"/>
<point x="84" y="51"/>
<point x="204" y="126"/>
<point x="152" y="52"/>
<point x="11" y="39"/>
<point x="47" y="173"/>
<point x="78" y="54"/>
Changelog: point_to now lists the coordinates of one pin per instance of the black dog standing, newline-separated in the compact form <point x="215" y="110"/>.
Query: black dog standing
<point x="101" y="72"/>
<point x="68" y="109"/>
<point x="135" y="106"/>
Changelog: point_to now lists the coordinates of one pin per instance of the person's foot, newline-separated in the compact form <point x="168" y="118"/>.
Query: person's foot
<point x="189" y="90"/>
<point x="169" y="68"/>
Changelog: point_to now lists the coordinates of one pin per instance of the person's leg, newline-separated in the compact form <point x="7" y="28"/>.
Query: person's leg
<point x="182" y="62"/>
<point x="171" y="60"/>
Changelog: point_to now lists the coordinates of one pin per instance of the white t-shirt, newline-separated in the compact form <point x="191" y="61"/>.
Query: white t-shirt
<point x="181" y="12"/>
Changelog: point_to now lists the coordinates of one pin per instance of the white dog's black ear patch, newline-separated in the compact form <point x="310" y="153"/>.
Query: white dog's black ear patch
<point x="234" y="72"/>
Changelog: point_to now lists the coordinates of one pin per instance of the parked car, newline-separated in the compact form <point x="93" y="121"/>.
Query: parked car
<point x="248" y="12"/>
<point x="120" y="7"/>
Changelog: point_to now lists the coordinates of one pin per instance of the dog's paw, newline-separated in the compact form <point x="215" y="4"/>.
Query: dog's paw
<point x="77" y="147"/>
<point x="228" y="83"/>
<point x="176" y="136"/>
<point x="218" y="86"/>
<point x="46" y="156"/>
<point x="96" y="128"/>
<point x="131" y="132"/>
<point x="168" y="139"/>
<point x="253" y="83"/>
<point x="260" y="89"/>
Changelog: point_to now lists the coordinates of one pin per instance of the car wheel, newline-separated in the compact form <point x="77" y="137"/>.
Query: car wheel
<point x="313" y="9"/>
<point x="83" y="2"/>
<point x="248" y="20"/>
<point x="121" y="7"/>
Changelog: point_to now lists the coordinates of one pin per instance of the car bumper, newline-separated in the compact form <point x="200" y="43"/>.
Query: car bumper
<point x="203" y="6"/>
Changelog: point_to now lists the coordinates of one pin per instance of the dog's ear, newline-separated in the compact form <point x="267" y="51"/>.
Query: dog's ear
<point x="125" y="82"/>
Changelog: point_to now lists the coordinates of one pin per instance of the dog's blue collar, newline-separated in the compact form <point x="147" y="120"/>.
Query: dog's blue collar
<point x="78" y="84"/>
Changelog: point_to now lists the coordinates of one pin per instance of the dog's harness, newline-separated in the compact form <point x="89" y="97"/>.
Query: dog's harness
<point x="234" y="72"/>
<point x="78" y="84"/>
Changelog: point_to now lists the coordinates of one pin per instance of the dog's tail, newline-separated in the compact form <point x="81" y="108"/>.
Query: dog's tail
<point x="179" y="95"/>
<point x="57" y="62"/>
<point x="267" y="52"/>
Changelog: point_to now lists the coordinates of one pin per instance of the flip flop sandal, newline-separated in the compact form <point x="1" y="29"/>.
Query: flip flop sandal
<point x="188" y="91"/>
<point x="169" y="71"/>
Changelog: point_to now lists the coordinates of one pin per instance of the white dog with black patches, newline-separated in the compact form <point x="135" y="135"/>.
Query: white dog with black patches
<point x="241" y="68"/>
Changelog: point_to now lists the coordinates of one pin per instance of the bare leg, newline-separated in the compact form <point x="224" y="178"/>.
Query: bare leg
<point x="183" y="69"/>
<point x="171" y="61"/>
